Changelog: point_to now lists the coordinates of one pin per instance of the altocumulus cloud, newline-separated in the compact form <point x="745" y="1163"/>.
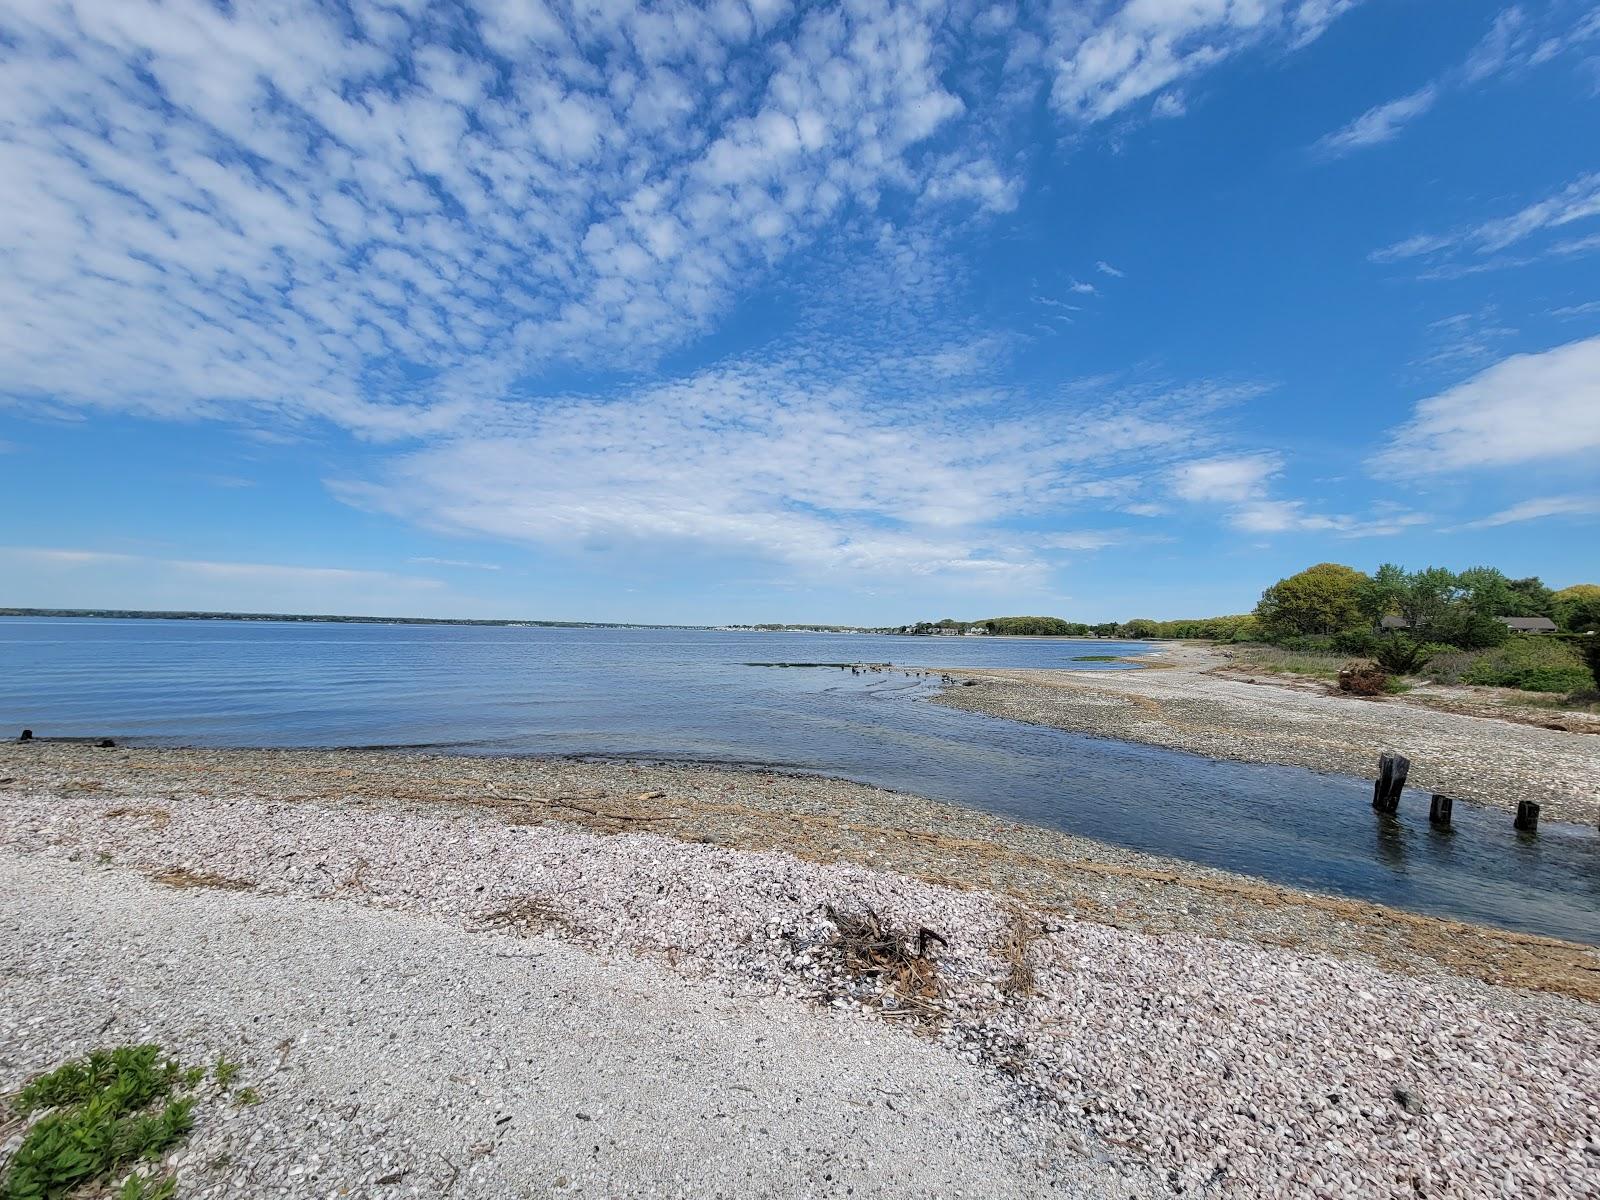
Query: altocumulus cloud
<point x="399" y="218"/>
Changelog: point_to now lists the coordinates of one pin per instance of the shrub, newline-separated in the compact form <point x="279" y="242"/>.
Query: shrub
<point x="1450" y="666"/>
<point x="1356" y="641"/>
<point x="1402" y="655"/>
<point x="1535" y="664"/>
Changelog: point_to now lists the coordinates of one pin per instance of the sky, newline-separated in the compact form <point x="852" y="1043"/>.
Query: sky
<point x="858" y="313"/>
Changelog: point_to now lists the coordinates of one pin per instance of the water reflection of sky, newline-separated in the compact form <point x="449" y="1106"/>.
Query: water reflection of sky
<point x="682" y="694"/>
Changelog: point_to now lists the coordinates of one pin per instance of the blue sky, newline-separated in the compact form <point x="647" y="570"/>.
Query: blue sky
<point x="858" y="313"/>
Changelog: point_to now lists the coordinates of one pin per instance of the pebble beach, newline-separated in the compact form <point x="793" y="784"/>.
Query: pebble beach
<point x="543" y="977"/>
<point x="1189" y="698"/>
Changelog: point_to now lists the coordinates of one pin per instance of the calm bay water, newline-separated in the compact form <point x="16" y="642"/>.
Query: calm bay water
<point x="686" y="694"/>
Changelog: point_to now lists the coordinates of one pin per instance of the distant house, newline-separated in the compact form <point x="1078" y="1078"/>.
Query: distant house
<point x="1528" y="624"/>
<point x="1514" y="624"/>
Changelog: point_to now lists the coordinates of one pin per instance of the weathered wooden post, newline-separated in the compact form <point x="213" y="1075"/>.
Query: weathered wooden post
<point x="1527" y="818"/>
<point x="1392" y="771"/>
<point x="1439" y="810"/>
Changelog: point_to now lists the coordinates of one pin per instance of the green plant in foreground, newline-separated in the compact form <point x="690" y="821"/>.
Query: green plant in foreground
<point x="107" y="1110"/>
<point x="246" y="1097"/>
<point x="225" y="1071"/>
<point x="146" y="1187"/>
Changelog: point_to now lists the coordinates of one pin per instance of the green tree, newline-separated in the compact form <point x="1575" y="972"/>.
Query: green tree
<point x="1530" y="598"/>
<point x="1426" y="599"/>
<point x="1319" y="600"/>
<point x="1577" y="608"/>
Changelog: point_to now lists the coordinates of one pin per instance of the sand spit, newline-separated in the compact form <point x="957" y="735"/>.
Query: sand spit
<point x="430" y="962"/>
<point x="1192" y="705"/>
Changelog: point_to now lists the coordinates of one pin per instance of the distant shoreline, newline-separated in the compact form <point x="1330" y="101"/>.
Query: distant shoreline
<point x="118" y="614"/>
<point x="133" y="614"/>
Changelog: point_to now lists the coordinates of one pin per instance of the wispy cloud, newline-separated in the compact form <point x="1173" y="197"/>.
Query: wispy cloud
<point x="462" y="564"/>
<point x="1242" y="484"/>
<point x="1379" y="124"/>
<point x="1513" y="43"/>
<point x="1140" y="49"/>
<point x="1577" y="201"/>
<point x="782" y="461"/>
<point x="1106" y="268"/>
<point x="265" y="573"/>
<point x="1293" y="516"/>
<point x="1536" y="510"/>
<point x="71" y="577"/>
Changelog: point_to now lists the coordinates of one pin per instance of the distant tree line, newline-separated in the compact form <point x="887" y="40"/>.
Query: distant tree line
<point x="1403" y="619"/>
<point x="1236" y="628"/>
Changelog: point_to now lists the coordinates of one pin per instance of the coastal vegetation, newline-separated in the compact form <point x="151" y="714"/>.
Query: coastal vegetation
<point x="1476" y="626"/>
<point x="103" y="1113"/>
<point x="134" y="614"/>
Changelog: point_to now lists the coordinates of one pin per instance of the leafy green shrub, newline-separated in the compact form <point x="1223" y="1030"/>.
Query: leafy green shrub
<point x="1535" y="664"/>
<point x="106" y="1111"/>
<point x="1361" y="642"/>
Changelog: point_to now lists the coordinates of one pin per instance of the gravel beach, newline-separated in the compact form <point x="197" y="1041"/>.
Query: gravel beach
<point x="1187" y="700"/>
<point x="480" y="978"/>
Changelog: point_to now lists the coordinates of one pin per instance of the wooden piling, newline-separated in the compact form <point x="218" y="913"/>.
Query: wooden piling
<point x="1527" y="818"/>
<point x="1439" y="810"/>
<point x="1391" y="781"/>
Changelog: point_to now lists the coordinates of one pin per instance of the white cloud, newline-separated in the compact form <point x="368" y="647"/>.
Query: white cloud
<point x="1109" y="57"/>
<point x="386" y="216"/>
<point x="382" y="223"/>
<point x="1106" y="268"/>
<point x="784" y="462"/>
<point x="1291" y="516"/>
<point x="1380" y="124"/>
<point x="1241" y="482"/>
<point x="1527" y="408"/>
<point x="1534" y="510"/>
<point x="1224" y="480"/>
